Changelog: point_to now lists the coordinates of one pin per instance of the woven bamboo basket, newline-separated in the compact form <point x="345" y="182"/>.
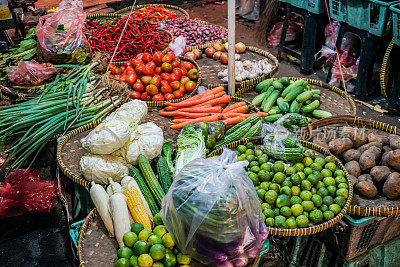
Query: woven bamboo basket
<point x="96" y="248"/>
<point x="300" y="231"/>
<point x="333" y="99"/>
<point x="360" y="206"/>
<point x="180" y="12"/>
<point x="162" y="103"/>
<point x="385" y="72"/>
<point x="211" y="67"/>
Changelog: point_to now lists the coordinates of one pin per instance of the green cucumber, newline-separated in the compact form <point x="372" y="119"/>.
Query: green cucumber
<point x="254" y="130"/>
<point x="304" y="96"/>
<point x="310" y="107"/>
<point x="275" y="110"/>
<point x="293" y="93"/>
<point x="295" y="107"/>
<point x="284" y="106"/>
<point x="272" y="118"/>
<point x="270" y="101"/>
<point x="252" y="120"/>
<point x="292" y="86"/>
<point x="264" y="84"/>
<point x="321" y="114"/>
<point x="259" y="99"/>
<point x="277" y="85"/>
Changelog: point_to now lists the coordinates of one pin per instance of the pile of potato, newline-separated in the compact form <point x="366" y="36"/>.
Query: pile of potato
<point x="372" y="160"/>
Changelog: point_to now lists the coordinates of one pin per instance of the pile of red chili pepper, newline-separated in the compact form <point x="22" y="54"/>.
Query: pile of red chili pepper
<point x="153" y="14"/>
<point x="139" y="37"/>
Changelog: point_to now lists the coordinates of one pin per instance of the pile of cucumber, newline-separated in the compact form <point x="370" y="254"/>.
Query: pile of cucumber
<point x="281" y="96"/>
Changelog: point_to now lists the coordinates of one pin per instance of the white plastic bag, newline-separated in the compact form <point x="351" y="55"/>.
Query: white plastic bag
<point x="213" y="212"/>
<point x="178" y="46"/>
<point x="99" y="168"/>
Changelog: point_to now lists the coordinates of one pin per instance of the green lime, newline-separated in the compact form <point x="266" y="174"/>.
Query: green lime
<point x="328" y="200"/>
<point x="258" y="153"/>
<point x="341" y="201"/>
<point x="313" y="190"/>
<point x="157" y="252"/>
<point x="276" y="211"/>
<point x="253" y="163"/>
<point x="323" y="208"/>
<point x="133" y="260"/>
<point x="318" y="174"/>
<point x="270" y="196"/>
<point x="159" y="264"/>
<point x="305" y="195"/>
<point x="183" y="259"/>
<point x="320" y="161"/>
<point x="310" y="153"/>
<point x="328" y="215"/>
<point x="261" y="193"/>
<point x="269" y="213"/>
<point x="250" y="158"/>
<point x="330" y="159"/>
<point x="305" y="213"/>
<point x="263" y="175"/>
<point x="262" y="160"/>
<point x="167" y="241"/>
<point x="343" y="192"/>
<point x="270" y="222"/>
<point x="265" y="185"/>
<point x="274" y="187"/>
<point x="307" y="161"/>
<point x="141" y="247"/>
<point x="302" y="175"/>
<point x="242" y="157"/>
<point x="299" y="167"/>
<point x="328" y="181"/>
<point x="335" y="208"/>
<point x="286" y="191"/>
<point x="307" y="170"/>
<point x="160" y="230"/>
<point x="265" y="206"/>
<point x="145" y="260"/>
<point x="265" y="167"/>
<point x="316" y="216"/>
<point x="291" y="223"/>
<point x="242" y="149"/>
<point x="319" y="185"/>
<point x="317" y="200"/>
<point x="278" y="167"/>
<point x="255" y="169"/>
<point x="280" y="222"/>
<point x="287" y="182"/>
<point x="323" y="192"/>
<point x="296" y="191"/>
<point x="339" y="173"/>
<point x="285" y="211"/>
<point x="306" y="185"/>
<point x="279" y="177"/>
<point x="144" y="234"/>
<point x="340" y="179"/>
<point x="307" y="205"/>
<point x="264" y="217"/>
<point x="254" y="178"/>
<point x="282" y="200"/>
<point x="125" y="252"/>
<point x="343" y="185"/>
<point x="257" y="187"/>
<point x="250" y="145"/>
<point x="249" y="152"/>
<point x="290" y="170"/>
<point x="136" y="228"/>
<point x="154" y="239"/>
<point x="302" y="221"/>
<point x="297" y="210"/>
<point x="316" y="166"/>
<point x="331" y="190"/>
<point x="326" y="173"/>
<point x="312" y="178"/>
<point x="295" y="179"/>
<point x="122" y="262"/>
<point x="130" y="239"/>
<point x="157" y="219"/>
<point x="295" y="200"/>
<point x="330" y="166"/>
<point x="238" y="153"/>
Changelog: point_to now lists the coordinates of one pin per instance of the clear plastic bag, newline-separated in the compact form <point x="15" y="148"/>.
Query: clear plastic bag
<point x="60" y="34"/>
<point x="31" y="73"/>
<point x="178" y="46"/>
<point x="213" y="212"/>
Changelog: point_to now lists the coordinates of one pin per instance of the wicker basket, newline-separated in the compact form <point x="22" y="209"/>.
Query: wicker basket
<point x="385" y="71"/>
<point x="360" y="205"/>
<point x="96" y="248"/>
<point x="300" y="231"/>
<point x="180" y="12"/>
<point x="211" y="68"/>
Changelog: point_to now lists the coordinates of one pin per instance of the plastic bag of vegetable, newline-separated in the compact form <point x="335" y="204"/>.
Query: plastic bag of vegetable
<point x="60" y="34"/>
<point x="32" y="73"/>
<point x="213" y="212"/>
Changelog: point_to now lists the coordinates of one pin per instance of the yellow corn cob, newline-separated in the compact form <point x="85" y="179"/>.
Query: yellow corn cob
<point x="136" y="207"/>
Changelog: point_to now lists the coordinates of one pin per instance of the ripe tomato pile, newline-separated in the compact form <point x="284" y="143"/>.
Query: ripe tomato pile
<point x="158" y="77"/>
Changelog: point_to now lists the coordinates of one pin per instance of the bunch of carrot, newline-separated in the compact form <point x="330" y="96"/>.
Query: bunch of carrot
<point x="208" y="106"/>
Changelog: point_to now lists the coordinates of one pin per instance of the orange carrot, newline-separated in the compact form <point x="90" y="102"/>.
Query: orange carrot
<point x="236" y="105"/>
<point x="171" y="108"/>
<point x="176" y="121"/>
<point x="217" y="90"/>
<point x="220" y="100"/>
<point x="192" y="102"/>
<point x="234" y="120"/>
<point x="242" y="109"/>
<point x="200" y="109"/>
<point x="231" y="115"/>
<point x="219" y="94"/>
<point x="187" y="114"/>
<point x="207" y="119"/>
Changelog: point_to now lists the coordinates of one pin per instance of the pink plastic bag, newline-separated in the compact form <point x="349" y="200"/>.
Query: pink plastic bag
<point x="31" y="73"/>
<point x="294" y="31"/>
<point x="25" y="191"/>
<point x="60" y="35"/>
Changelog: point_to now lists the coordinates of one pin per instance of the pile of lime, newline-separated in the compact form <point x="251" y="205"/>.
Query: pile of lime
<point x="147" y="248"/>
<point x="296" y="194"/>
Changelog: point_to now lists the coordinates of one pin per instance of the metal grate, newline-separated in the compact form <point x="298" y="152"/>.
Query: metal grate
<point x="366" y="235"/>
<point x="336" y="6"/>
<point x="311" y="3"/>
<point x="374" y="12"/>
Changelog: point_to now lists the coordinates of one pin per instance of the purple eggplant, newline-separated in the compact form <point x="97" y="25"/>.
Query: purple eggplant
<point x="211" y="253"/>
<point x="225" y="264"/>
<point x="240" y="261"/>
<point x="253" y="252"/>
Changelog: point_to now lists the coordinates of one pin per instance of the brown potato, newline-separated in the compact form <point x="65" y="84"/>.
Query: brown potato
<point x="373" y="137"/>
<point x="394" y="141"/>
<point x="364" y="177"/>
<point x="386" y="149"/>
<point x="351" y="154"/>
<point x="369" y="158"/>
<point x="337" y="146"/>
<point x="392" y="158"/>
<point x="391" y="188"/>
<point x="356" y="135"/>
<point x="321" y="143"/>
<point x="380" y="173"/>
<point x="369" y="145"/>
<point x="353" y="168"/>
<point x="366" y="189"/>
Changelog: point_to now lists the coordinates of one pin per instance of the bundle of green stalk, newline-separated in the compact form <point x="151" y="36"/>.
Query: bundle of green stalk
<point x="65" y="104"/>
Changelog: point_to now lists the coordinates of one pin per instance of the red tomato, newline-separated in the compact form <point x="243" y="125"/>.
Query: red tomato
<point x="129" y="69"/>
<point x="135" y="95"/>
<point x="156" y="80"/>
<point x="182" y="88"/>
<point x="151" y="64"/>
<point x="168" y="58"/>
<point x="176" y="64"/>
<point x="184" y="71"/>
<point x="193" y="74"/>
<point x="175" y="85"/>
<point x="136" y="62"/>
<point x="158" y="97"/>
<point x="171" y="54"/>
<point x="166" y="89"/>
<point x="177" y="72"/>
<point x="114" y="69"/>
<point x="121" y="69"/>
<point x="147" y="57"/>
<point x="145" y="97"/>
<point x="189" y="86"/>
<point x="146" y="80"/>
<point x="151" y="89"/>
<point x="165" y="76"/>
<point x="139" y="69"/>
<point x="187" y="65"/>
<point x="169" y="96"/>
<point x="139" y="87"/>
<point x="164" y="82"/>
<point x="166" y="67"/>
<point x="148" y="71"/>
<point x="122" y="78"/>
<point x="173" y="78"/>
<point x="131" y="78"/>
<point x="157" y="70"/>
<point x="184" y="79"/>
<point x="157" y="58"/>
<point x="178" y="93"/>
<point x="139" y="56"/>
<point x="127" y="64"/>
